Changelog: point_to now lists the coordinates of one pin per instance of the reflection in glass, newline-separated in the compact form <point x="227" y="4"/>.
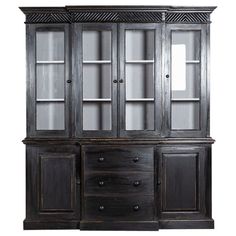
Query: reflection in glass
<point x="178" y="67"/>
<point x="139" y="116"/>
<point x="139" y="81"/>
<point x="96" y="45"/>
<point x="191" y="40"/>
<point x="139" y="44"/>
<point x="49" y="46"/>
<point x="185" y="115"/>
<point x="96" y="116"/>
<point x="50" y="81"/>
<point x="50" y="116"/>
<point x="96" y="81"/>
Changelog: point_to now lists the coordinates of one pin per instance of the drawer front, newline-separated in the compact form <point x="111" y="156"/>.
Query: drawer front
<point x="105" y="158"/>
<point x="118" y="183"/>
<point x="119" y="208"/>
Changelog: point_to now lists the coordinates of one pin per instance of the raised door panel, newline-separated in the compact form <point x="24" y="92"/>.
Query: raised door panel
<point x="57" y="182"/>
<point x="180" y="176"/>
<point x="184" y="174"/>
<point x="53" y="183"/>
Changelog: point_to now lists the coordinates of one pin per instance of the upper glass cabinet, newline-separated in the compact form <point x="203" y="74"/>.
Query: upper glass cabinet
<point x="187" y="76"/>
<point x="117" y="80"/>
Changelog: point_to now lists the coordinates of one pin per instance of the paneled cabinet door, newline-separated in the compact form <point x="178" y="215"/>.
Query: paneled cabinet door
<point x="186" y="80"/>
<point x="53" y="183"/>
<point x="48" y="82"/>
<point x="140" y="79"/>
<point x="184" y="182"/>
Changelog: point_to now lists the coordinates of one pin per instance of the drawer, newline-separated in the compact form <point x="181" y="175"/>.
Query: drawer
<point x="104" y="158"/>
<point x="119" y="182"/>
<point x="119" y="208"/>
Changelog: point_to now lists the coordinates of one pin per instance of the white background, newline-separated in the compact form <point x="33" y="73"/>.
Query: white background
<point x="12" y="115"/>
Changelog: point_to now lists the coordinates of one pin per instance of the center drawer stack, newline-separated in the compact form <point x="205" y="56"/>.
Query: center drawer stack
<point x="118" y="183"/>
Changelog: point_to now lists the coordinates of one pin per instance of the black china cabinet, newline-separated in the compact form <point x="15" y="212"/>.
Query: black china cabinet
<point x="118" y="123"/>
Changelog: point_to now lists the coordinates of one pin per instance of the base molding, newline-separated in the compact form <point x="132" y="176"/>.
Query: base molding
<point x="31" y="225"/>
<point x="187" y="224"/>
<point x="119" y="225"/>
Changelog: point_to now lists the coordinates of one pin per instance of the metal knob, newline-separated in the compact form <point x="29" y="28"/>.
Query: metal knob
<point x="101" y="159"/>
<point x="101" y="183"/>
<point x="115" y="81"/>
<point x="136" y="183"/>
<point x="121" y="81"/>
<point x="167" y="76"/>
<point x="101" y="208"/>
<point x="136" y="207"/>
<point x="68" y="81"/>
<point x="136" y="159"/>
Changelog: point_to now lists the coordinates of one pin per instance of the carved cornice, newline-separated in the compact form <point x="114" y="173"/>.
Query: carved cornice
<point x="128" y="14"/>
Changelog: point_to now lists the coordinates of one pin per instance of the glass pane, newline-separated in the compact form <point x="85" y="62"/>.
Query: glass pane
<point x="185" y="115"/>
<point x="50" y="81"/>
<point x="191" y="88"/>
<point x="190" y="40"/>
<point x="139" y="44"/>
<point x="50" y="116"/>
<point x="139" y="116"/>
<point x="50" y="46"/>
<point x="96" y="81"/>
<point x="139" y="81"/>
<point x="96" y="45"/>
<point x="96" y="116"/>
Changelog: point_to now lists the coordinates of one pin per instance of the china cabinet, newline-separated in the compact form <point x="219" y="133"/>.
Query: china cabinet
<point x="118" y="118"/>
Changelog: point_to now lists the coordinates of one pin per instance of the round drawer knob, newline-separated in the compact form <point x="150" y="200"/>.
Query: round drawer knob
<point x="101" y="183"/>
<point x="136" y="183"/>
<point x="101" y="159"/>
<point x="136" y="159"/>
<point x="136" y="207"/>
<point x="101" y="208"/>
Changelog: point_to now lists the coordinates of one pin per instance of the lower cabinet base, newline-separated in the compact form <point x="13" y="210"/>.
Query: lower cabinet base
<point x="30" y="225"/>
<point x="121" y="225"/>
<point x="187" y="224"/>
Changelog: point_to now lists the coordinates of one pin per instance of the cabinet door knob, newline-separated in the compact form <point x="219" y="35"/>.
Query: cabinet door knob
<point x="136" y="207"/>
<point x="114" y="81"/>
<point x="68" y="81"/>
<point x="167" y="76"/>
<point x="101" y="208"/>
<point x="158" y="182"/>
<point x="101" y="183"/>
<point x="121" y="81"/>
<point x="136" y="183"/>
<point x="136" y="159"/>
<point x="101" y="159"/>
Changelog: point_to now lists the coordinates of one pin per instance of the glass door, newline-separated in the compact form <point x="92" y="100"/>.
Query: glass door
<point x="48" y="59"/>
<point x="139" y="79"/>
<point x="97" y="80"/>
<point x="186" y="79"/>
